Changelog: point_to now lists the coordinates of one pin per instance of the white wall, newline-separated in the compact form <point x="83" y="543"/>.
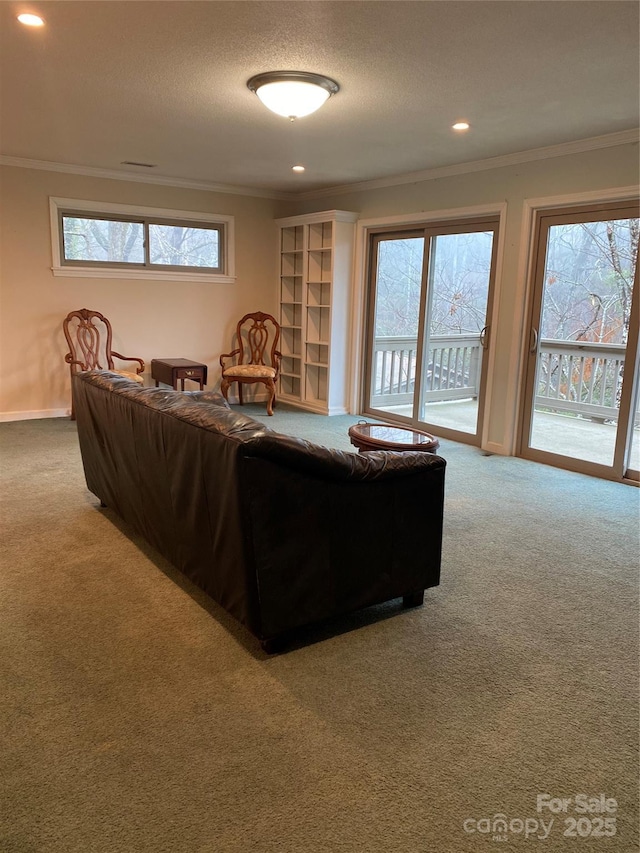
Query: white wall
<point x="561" y="176"/>
<point x="150" y="319"/>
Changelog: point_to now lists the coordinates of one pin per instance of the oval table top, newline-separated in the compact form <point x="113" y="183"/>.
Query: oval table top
<point x="381" y="436"/>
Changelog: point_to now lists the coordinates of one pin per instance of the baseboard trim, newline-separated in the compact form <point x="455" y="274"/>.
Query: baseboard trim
<point x="33" y="416"/>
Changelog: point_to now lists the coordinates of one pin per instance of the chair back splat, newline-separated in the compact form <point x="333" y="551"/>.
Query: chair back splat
<point x="89" y="335"/>
<point x="256" y="357"/>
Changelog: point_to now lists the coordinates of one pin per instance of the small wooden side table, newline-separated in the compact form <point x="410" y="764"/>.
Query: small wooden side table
<point x="170" y="370"/>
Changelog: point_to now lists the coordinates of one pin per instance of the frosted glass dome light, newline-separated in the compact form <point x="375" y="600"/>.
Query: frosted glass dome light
<point x="292" y="94"/>
<point x="31" y="20"/>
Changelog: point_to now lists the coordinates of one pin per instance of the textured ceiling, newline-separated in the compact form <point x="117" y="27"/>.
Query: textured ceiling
<point x="165" y="83"/>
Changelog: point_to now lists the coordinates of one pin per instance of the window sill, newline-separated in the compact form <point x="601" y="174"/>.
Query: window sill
<point x="136" y="274"/>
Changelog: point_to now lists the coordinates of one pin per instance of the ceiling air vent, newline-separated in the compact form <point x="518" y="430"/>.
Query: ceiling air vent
<point x="134" y="163"/>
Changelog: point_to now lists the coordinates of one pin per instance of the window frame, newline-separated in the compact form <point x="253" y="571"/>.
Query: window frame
<point x="60" y="207"/>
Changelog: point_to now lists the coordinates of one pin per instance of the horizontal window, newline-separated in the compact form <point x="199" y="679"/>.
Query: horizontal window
<point x="106" y="241"/>
<point x="184" y="246"/>
<point x="113" y="240"/>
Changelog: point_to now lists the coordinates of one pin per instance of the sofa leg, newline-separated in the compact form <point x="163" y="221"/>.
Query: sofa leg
<point x="273" y="645"/>
<point x="414" y="599"/>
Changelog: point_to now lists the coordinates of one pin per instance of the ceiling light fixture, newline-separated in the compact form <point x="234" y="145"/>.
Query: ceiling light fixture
<point x="460" y="125"/>
<point x="298" y="168"/>
<point x="292" y="94"/>
<point x="31" y="20"/>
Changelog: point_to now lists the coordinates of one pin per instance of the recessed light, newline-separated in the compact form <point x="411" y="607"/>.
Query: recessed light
<point x="31" y="20"/>
<point x="461" y="125"/>
<point x="298" y="168"/>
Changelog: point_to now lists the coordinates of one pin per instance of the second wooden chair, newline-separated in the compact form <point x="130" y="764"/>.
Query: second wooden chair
<point x="256" y="358"/>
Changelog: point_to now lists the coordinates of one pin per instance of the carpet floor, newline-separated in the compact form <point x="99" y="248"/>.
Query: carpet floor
<point x="138" y="717"/>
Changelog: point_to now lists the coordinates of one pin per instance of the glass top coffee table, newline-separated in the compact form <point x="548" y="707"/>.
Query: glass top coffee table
<point x="376" y="436"/>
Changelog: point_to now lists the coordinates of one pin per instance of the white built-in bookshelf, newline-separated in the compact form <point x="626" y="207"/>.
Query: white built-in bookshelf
<point x="316" y="255"/>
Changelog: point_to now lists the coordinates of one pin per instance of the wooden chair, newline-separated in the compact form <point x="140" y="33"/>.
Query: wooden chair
<point x="254" y="333"/>
<point x="89" y="335"/>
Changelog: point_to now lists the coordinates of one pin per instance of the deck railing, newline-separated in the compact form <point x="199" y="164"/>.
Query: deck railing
<point x="453" y="369"/>
<point x="579" y="378"/>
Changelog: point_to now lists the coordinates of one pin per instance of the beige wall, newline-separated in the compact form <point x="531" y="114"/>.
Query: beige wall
<point x="196" y="321"/>
<point x="598" y="170"/>
<point x="150" y="319"/>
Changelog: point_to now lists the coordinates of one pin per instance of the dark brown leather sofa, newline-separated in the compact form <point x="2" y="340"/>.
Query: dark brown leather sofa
<point x="281" y="532"/>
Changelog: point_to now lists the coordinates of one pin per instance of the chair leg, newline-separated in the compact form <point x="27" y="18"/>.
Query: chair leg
<point x="73" y="411"/>
<point x="271" y="388"/>
<point x="240" y="394"/>
<point x="224" y="389"/>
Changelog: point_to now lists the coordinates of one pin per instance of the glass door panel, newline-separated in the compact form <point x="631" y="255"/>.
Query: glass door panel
<point x="397" y="287"/>
<point x="455" y="335"/>
<point x="429" y="292"/>
<point x="631" y="463"/>
<point x="634" y="455"/>
<point x="586" y="297"/>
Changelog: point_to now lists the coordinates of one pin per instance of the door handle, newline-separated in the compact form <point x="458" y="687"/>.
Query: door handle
<point x="534" y="340"/>
<point x="484" y="337"/>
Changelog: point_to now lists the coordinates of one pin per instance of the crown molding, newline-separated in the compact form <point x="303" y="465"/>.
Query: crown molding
<point x="623" y="137"/>
<point x="118" y="175"/>
<point x="320" y="216"/>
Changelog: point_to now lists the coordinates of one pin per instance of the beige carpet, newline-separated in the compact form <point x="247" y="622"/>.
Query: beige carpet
<point x="137" y="717"/>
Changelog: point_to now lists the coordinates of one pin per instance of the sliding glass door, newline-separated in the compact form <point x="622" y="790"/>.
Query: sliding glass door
<point x="581" y="383"/>
<point x="429" y="300"/>
<point x="397" y="280"/>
